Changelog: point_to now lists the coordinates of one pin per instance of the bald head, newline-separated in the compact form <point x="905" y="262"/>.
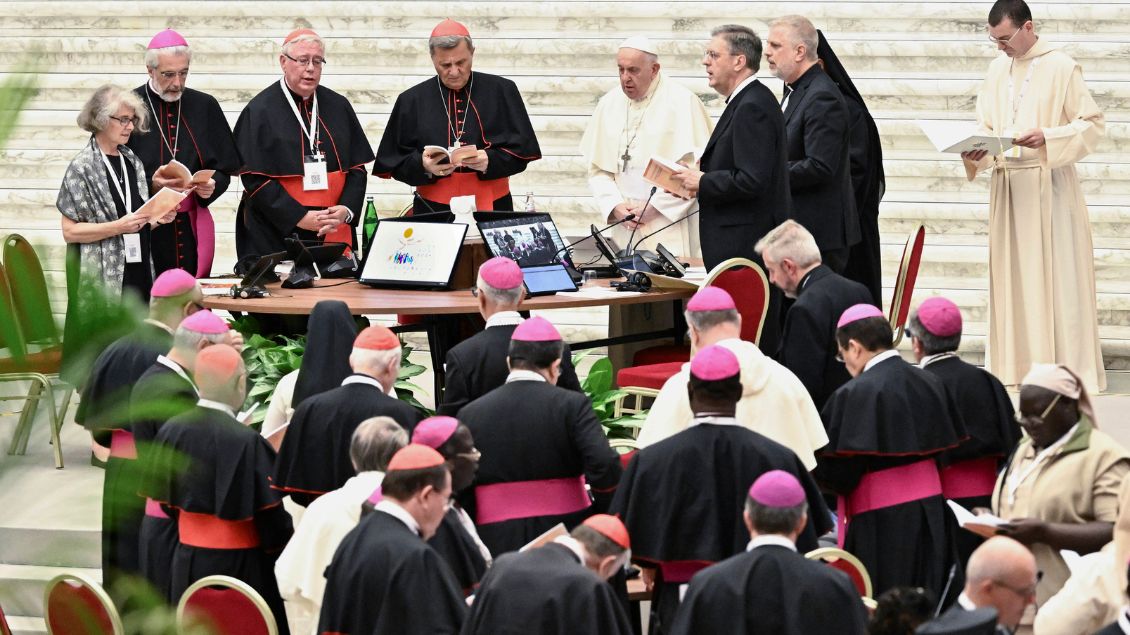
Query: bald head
<point x="220" y="375"/>
<point x="1002" y="574"/>
<point x="996" y="558"/>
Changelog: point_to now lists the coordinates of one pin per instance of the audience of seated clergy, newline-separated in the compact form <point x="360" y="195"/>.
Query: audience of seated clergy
<point x="681" y="498"/>
<point x="1001" y="575"/>
<point x="301" y="567"/>
<point x="384" y="578"/>
<point x="887" y="428"/>
<point x="163" y="392"/>
<point x="540" y="445"/>
<point x="314" y="456"/>
<point x="808" y="337"/>
<point x="229" y="520"/>
<point x="771" y="588"/>
<point x="773" y="403"/>
<point x="558" y="588"/>
<point x="477" y="365"/>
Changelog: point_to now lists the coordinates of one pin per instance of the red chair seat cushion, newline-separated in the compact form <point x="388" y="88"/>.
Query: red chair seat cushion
<point x="226" y="611"/>
<point x="46" y="362"/>
<point x="852" y="572"/>
<point x="649" y="376"/>
<point x="73" y="608"/>
<point x="661" y="355"/>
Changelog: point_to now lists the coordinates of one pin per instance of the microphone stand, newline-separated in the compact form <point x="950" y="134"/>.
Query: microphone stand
<point x="628" y="250"/>
<point x="581" y="240"/>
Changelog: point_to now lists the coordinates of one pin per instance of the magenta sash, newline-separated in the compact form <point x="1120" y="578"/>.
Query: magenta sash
<point x="122" y="445"/>
<point x="375" y="497"/>
<point x="681" y="571"/>
<point x="204" y="228"/>
<point x="153" y="508"/>
<point x="527" y="499"/>
<point x="968" y="479"/>
<point x="887" y="488"/>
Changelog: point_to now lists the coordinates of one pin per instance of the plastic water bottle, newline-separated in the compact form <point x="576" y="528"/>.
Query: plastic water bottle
<point x="530" y="207"/>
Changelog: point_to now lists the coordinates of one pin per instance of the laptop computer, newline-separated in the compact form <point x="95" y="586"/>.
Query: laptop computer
<point x="411" y="255"/>
<point x="528" y="239"/>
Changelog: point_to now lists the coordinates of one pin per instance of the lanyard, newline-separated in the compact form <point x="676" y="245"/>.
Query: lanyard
<point x="312" y="133"/>
<point x="1023" y="88"/>
<point x="160" y="126"/>
<point x="458" y="134"/>
<point x="127" y="195"/>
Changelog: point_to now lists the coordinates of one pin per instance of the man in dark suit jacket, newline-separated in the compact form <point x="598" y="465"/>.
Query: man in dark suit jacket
<point x="742" y="185"/>
<point x="1001" y="577"/>
<point x="819" y="140"/>
<point x="477" y="365"/>
<point x="808" y="340"/>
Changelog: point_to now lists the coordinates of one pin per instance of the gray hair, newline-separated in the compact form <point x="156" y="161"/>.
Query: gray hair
<point x="187" y="340"/>
<point x="931" y="344"/>
<point x="743" y="41"/>
<point x="449" y="42"/>
<point x="366" y="358"/>
<point x="303" y="38"/>
<point x="504" y="297"/>
<point x="151" y="55"/>
<point x="774" y="520"/>
<point x="106" y="100"/>
<point x="801" y="31"/>
<point x="792" y="241"/>
<point x="702" y="321"/>
<point x="374" y="442"/>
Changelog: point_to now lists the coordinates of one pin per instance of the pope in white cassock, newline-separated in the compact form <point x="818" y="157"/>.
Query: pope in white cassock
<point x="649" y="115"/>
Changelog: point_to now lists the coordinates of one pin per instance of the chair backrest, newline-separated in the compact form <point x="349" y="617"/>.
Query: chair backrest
<point x="10" y="336"/>
<point x="4" y="628"/>
<point x="846" y="562"/>
<point x="745" y="281"/>
<point x="74" y="604"/>
<point x="225" y="606"/>
<point x="904" y="283"/>
<point x="29" y="291"/>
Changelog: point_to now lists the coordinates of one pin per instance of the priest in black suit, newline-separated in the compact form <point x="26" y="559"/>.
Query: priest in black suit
<point x="189" y="127"/>
<point x="559" y="587"/>
<point x="1000" y="578"/>
<point x="477" y="365"/>
<point x="540" y="444"/>
<point x="681" y="498"/>
<point x="771" y="588"/>
<point x="314" y="456"/>
<point x="819" y="140"/>
<point x="808" y="341"/>
<point x="742" y="183"/>
<point x="384" y="578"/>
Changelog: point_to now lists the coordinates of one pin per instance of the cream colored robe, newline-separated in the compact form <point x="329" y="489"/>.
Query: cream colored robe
<point x="774" y="403"/>
<point x="671" y="121"/>
<point x="1042" y="304"/>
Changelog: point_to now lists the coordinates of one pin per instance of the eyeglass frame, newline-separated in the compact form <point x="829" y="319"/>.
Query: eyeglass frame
<point x="1021" y="418"/>
<point x="1026" y="592"/>
<point x="134" y="121"/>
<point x="473" y="455"/>
<point x="1006" y="42"/>
<point x="312" y="61"/>
<point x="171" y="74"/>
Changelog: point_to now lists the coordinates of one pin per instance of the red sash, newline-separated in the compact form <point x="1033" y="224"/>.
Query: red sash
<point x="527" y="499"/>
<point x="322" y="198"/>
<point x="969" y="479"/>
<point x="209" y="532"/>
<point x="887" y="488"/>
<point x="122" y="445"/>
<point x="465" y="184"/>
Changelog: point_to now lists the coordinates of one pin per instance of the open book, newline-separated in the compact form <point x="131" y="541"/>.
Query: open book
<point x="160" y="204"/>
<point x="985" y="525"/>
<point x="660" y="172"/>
<point x="176" y="170"/>
<point x="546" y="538"/>
<point x="456" y="154"/>
<point x="955" y="137"/>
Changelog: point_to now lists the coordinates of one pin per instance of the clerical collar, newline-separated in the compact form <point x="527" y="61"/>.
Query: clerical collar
<point x="358" y="378"/>
<point x="771" y="540"/>
<point x="1124" y="621"/>
<point x="505" y="318"/>
<point x="714" y="419"/>
<point x="161" y="325"/>
<point x="881" y="357"/>
<point x="937" y="357"/>
<point x="216" y="405"/>
<point x="524" y="375"/>
<point x="805" y="280"/>
<point x="745" y="82"/>
<point x="805" y="77"/>
<point x="392" y="508"/>
<point x="176" y="368"/>
<point x="965" y="602"/>
<point x="572" y="545"/>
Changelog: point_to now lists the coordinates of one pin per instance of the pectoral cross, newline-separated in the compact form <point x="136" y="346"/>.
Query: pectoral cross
<point x="625" y="158"/>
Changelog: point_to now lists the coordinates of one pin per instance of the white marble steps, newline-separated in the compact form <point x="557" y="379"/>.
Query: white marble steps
<point x="21" y="586"/>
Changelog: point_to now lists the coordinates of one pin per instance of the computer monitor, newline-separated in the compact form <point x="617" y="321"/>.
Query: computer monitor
<point x="413" y="255"/>
<point x="528" y="240"/>
<point x="547" y="279"/>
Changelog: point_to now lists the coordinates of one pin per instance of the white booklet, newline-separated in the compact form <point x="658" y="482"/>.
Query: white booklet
<point x="985" y="525"/>
<point x="955" y="137"/>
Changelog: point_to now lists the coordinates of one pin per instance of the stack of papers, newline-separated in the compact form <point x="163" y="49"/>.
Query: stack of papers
<point x="955" y="137"/>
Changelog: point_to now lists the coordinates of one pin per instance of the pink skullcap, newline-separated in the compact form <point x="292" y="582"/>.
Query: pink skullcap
<point x="536" y="329"/>
<point x="376" y="338"/>
<point x="610" y="527"/>
<point x="858" y="312"/>
<point x="205" y="322"/>
<point x="171" y="283"/>
<point x="715" y="363"/>
<point x="165" y="39"/>
<point x="434" y="431"/>
<point x="940" y="317"/>
<point x="297" y="33"/>
<point x="777" y="488"/>
<point x="501" y="273"/>
<point x="450" y="27"/>
<point x="711" y="299"/>
<point x="414" y="457"/>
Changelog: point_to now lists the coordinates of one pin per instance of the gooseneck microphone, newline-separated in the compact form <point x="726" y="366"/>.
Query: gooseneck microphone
<point x="581" y="240"/>
<point x="668" y="225"/>
<point x="628" y="249"/>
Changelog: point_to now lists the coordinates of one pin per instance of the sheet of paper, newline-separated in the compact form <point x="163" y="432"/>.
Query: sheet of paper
<point x="160" y="204"/>
<point x="955" y="137"/>
<point x="984" y="525"/>
<point x="546" y="538"/>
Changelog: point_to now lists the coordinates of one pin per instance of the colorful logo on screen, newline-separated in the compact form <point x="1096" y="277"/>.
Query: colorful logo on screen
<point x="402" y="258"/>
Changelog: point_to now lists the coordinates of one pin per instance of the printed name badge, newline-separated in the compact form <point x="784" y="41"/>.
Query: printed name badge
<point x="133" y="248"/>
<point x="314" y="177"/>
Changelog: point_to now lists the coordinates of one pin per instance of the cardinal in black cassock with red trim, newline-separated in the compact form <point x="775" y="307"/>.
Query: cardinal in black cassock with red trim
<point x="314" y="456"/>
<point x="218" y="488"/>
<point x="887" y="427"/>
<point x="303" y="174"/>
<point x="682" y="498"/>
<point x="457" y="107"/>
<point x="190" y="127"/>
<point x="384" y="578"/>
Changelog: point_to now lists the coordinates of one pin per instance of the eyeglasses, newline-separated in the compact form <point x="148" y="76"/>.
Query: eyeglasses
<point x="1005" y="40"/>
<point x="171" y="74"/>
<point x="713" y="55"/>
<point x="1021" y="418"/>
<point x="473" y="455"/>
<point x="840" y="355"/>
<point x="1024" y="592"/>
<point x="306" y="61"/>
<point x="126" y="121"/>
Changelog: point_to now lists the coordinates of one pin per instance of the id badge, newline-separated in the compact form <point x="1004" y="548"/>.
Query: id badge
<point x="133" y="247"/>
<point x="314" y="176"/>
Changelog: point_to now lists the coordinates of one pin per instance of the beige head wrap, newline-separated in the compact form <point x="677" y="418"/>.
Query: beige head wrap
<point x="1061" y="379"/>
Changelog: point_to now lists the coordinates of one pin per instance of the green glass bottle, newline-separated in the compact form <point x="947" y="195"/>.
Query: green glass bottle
<point x="368" y="225"/>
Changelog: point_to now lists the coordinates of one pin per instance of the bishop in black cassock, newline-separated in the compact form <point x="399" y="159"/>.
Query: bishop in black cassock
<point x="457" y="107"/>
<point x="682" y="498"/>
<point x="280" y="141"/>
<point x="190" y="127"/>
<point x="540" y="444"/>
<point x="887" y="427"/>
<point x="314" y="456"/>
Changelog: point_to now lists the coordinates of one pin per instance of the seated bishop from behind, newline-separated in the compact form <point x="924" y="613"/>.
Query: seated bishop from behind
<point x="560" y="586"/>
<point x="771" y="588"/>
<point x="477" y="365"/>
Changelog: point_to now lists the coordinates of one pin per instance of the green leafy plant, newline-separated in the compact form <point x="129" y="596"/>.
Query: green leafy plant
<point x="598" y="386"/>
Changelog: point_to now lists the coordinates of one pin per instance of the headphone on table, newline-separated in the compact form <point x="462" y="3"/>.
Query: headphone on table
<point x="637" y="281"/>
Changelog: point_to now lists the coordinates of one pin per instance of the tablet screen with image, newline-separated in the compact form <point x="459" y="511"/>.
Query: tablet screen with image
<point x="547" y="279"/>
<point x="413" y="255"/>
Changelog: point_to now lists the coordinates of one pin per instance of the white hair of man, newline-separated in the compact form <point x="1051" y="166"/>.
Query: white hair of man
<point x="789" y="241"/>
<point x="308" y="37"/>
<point x="106" y="100"/>
<point x="363" y="358"/>
<point x="501" y="297"/>
<point x="449" y="42"/>
<point x="152" y="55"/>
<point x="374" y="442"/>
<point x="189" y="341"/>
<point x="801" y="31"/>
